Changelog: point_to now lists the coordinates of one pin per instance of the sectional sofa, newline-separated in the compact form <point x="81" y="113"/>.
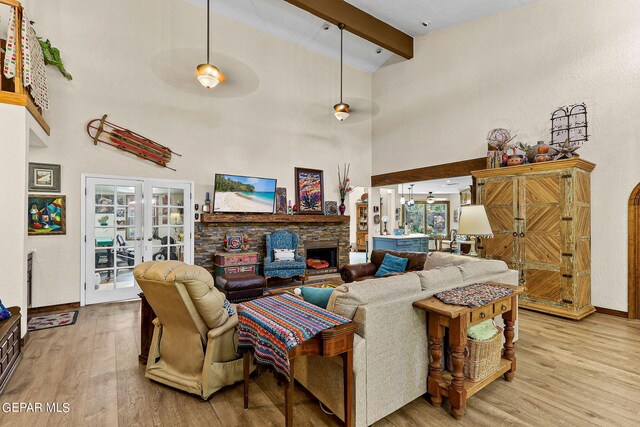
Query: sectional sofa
<point x="390" y="348"/>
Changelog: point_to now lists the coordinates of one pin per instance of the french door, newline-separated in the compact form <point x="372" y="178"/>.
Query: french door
<point x="128" y="221"/>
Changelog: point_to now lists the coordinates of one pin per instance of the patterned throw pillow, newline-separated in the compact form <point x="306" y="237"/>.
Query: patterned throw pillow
<point x="4" y="313"/>
<point x="229" y="308"/>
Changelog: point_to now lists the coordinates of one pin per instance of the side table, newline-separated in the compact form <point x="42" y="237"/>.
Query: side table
<point x="458" y="319"/>
<point x="336" y="341"/>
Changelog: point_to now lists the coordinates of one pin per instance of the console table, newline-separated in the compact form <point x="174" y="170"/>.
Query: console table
<point x="458" y="318"/>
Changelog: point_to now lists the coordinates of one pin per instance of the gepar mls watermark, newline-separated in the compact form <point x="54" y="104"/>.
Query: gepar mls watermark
<point x="35" y="407"/>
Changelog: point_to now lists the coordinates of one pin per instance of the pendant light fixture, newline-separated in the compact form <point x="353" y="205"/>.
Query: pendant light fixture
<point x="430" y="198"/>
<point x="341" y="110"/>
<point x="411" y="202"/>
<point x="402" y="199"/>
<point x="208" y="75"/>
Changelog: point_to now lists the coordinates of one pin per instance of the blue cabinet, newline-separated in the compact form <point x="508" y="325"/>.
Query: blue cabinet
<point x="401" y="244"/>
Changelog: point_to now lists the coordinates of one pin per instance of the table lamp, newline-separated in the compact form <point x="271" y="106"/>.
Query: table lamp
<point x="474" y="223"/>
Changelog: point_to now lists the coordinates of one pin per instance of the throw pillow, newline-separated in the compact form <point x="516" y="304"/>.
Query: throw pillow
<point x="4" y="313"/>
<point x="391" y="264"/>
<point x="229" y="308"/>
<point x="284" y="255"/>
<point x="317" y="296"/>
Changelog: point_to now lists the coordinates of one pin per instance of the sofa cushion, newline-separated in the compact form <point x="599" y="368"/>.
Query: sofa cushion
<point x="391" y="264"/>
<point x="483" y="268"/>
<point x="346" y="298"/>
<point x="416" y="259"/>
<point x="441" y="259"/>
<point x="437" y="279"/>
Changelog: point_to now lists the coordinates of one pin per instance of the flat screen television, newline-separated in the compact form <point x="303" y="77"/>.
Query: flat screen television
<point x="243" y="194"/>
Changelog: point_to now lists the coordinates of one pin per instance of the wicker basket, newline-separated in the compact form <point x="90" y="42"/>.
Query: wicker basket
<point x="481" y="358"/>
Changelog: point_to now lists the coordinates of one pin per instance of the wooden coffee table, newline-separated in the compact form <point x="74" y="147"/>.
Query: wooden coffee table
<point x="336" y="341"/>
<point x="458" y="318"/>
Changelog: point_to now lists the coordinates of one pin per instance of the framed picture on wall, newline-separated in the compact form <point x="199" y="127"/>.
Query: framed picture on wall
<point x="46" y="215"/>
<point x="44" y="177"/>
<point x="309" y="191"/>
<point x="465" y="196"/>
<point x="281" y="201"/>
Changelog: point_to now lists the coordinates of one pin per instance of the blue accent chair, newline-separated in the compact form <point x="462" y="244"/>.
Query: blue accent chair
<point x="283" y="269"/>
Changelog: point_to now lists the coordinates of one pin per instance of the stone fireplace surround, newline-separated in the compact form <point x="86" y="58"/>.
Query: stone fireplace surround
<point x="210" y="232"/>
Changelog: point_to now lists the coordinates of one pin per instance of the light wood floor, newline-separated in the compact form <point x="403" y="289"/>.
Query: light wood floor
<point x="569" y="373"/>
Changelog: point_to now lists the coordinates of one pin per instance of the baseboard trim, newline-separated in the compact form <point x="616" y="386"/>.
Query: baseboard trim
<point x="49" y="308"/>
<point x="24" y="340"/>
<point x="612" y="312"/>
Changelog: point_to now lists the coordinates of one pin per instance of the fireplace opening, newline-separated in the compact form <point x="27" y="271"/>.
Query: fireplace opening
<point x="321" y="257"/>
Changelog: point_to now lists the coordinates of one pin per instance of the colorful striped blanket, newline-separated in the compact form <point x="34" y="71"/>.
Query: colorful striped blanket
<point x="274" y="325"/>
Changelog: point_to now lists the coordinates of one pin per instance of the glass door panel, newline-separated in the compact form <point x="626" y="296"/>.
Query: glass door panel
<point x="113" y="239"/>
<point x="170" y="233"/>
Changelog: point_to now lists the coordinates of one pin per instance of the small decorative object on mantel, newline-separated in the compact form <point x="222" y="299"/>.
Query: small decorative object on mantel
<point x="281" y="201"/>
<point x="344" y="185"/>
<point x="206" y="206"/>
<point x="309" y="191"/>
<point x="100" y="130"/>
<point x="46" y="215"/>
<point x="236" y="242"/>
<point x="331" y="207"/>
<point x="44" y="177"/>
<point x="564" y="151"/>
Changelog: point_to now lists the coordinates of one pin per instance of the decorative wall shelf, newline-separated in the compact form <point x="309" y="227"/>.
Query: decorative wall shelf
<point x="273" y="219"/>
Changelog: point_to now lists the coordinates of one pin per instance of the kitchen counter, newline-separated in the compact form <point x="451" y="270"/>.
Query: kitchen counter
<point x="405" y="243"/>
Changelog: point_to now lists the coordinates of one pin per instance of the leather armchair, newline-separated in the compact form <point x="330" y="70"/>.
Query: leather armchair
<point x="357" y="272"/>
<point x="194" y="340"/>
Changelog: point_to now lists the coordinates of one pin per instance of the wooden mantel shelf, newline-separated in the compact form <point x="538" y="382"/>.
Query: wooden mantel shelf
<point x="272" y="219"/>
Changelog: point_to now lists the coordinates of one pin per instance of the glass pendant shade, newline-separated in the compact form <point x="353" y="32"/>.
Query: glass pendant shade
<point x="402" y="200"/>
<point x="430" y="198"/>
<point x="341" y="111"/>
<point x="208" y="75"/>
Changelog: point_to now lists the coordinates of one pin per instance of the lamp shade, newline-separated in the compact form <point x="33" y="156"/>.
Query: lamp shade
<point x="474" y="222"/>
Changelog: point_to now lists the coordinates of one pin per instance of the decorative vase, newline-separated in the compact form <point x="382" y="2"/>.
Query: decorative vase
<point x="342" y="208"/>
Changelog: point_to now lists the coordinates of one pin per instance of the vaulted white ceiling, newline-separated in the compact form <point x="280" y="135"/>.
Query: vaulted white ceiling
<point x="295" y="25"/>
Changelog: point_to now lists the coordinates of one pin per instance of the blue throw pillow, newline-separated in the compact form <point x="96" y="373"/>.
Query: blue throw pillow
<point x="391" y="264"/>
<point x="4" y="313"/>
<point x="317" y="296"/>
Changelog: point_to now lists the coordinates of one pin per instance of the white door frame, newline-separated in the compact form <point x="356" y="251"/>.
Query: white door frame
<point x="83" y="221"/>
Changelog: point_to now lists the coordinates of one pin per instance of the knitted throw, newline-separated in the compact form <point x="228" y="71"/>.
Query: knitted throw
<point x="274" y="325"/>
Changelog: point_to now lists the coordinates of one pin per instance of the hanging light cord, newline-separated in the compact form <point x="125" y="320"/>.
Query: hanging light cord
<point x="208" y="33"/>
<point x="341" y="26"/>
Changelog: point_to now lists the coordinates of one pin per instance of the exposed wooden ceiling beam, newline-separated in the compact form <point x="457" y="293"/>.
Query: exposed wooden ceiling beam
<point x="359" y="23"/>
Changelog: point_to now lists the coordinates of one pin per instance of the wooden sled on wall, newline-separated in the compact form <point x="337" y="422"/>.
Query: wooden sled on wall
<point x="101" y="130"/>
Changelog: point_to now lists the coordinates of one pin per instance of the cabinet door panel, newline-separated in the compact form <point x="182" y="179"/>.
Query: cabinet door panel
<point x="499" y="198"/>
<point x="543" y="285"/>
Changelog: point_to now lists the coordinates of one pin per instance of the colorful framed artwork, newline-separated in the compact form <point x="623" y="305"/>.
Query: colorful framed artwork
<point x="281" y="201"/>
<point x="46" y="215"/>
<point x="331" y="207"/>
<point x="44" y="177"/>
<point x="309" y="191"/>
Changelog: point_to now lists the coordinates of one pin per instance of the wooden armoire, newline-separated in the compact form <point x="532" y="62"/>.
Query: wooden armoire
<point x="540" y="215"/>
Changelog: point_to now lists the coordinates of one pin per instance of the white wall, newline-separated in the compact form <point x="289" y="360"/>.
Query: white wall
<point x="512" y="70"/>
<point x="13" y="219"/>
<point x="135" y="61"/>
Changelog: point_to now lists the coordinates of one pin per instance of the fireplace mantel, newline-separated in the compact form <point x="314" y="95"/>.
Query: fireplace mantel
<point x="273" y="219"/>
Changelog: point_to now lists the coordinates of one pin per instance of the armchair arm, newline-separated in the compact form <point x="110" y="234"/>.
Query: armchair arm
<point x="299" y="258"/>
<point x="352" y="272"/>
<point x="231" y="323"/>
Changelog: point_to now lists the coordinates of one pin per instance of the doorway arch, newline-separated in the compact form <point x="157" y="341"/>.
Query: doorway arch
<point x="634" y="254"/>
